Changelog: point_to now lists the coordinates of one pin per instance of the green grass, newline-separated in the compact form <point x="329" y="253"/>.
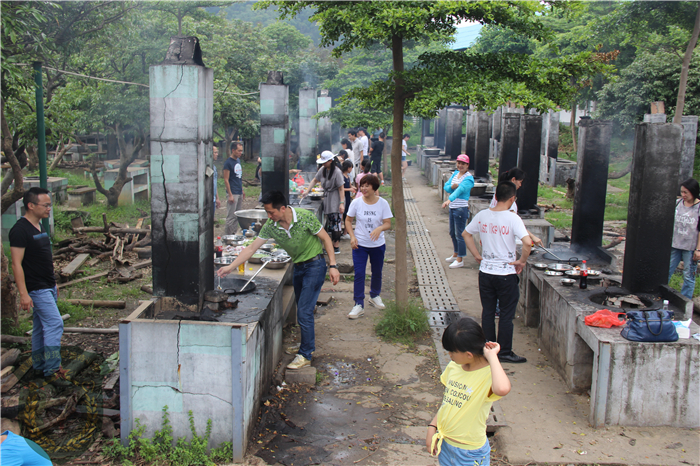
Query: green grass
<point x="677" y="283"/>
<point x="102" y="290"/>
<point x="559" y="219"/>
<point x="406" y="326"/>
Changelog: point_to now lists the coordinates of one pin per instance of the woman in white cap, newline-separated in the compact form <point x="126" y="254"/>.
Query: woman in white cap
<point x="331" y="179"/>
<point x="459" y="187"/>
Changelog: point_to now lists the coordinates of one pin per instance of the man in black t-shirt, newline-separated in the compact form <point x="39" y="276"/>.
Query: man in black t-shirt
<point x="375" y="156"/>
<point x="32" y="263"/>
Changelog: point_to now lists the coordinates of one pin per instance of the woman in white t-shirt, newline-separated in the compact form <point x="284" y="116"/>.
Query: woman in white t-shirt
<point x="372" y="216"/>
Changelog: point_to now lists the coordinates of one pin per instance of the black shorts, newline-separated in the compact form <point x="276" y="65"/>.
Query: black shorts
<point x="376" y="165"/>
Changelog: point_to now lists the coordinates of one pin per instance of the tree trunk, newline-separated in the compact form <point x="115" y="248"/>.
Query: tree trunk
<point x="9" y="307"/>
<point x="621" y="173"/>
<point x="17" y="192"/>
<point x="126" y="157"/>
<point x="401" y="280"/>
<point x="59" y="154"/>
<point x="680" y="102"/>
<point x="32" y="158"/>
<point x="573" y="124"/>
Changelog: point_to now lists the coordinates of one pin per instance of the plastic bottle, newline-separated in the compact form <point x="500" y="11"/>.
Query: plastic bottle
<point x="665" y="307"/>
<point x="583" y="280"/>
<point x="218" y="247"/>
<point x="241" y="268"/>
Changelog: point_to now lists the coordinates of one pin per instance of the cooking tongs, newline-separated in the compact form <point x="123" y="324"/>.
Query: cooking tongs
<point x="550" y="252"/>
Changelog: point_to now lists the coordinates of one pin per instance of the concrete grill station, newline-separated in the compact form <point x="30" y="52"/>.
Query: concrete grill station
<point x="178" y="349"/>
<point x="630" y="383"/>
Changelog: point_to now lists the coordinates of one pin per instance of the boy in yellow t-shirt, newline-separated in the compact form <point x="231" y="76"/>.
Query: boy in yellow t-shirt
<point x="473" y="381"/>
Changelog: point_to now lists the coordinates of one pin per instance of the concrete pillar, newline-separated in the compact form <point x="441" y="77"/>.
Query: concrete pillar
<point x="182" y="217"/>
<point x="651" y="210"/>
<point x="325" y="137"/>
<point x="470" y="145"/>
<point x="690" y="134"/>
<point x="453" y="132"/>
<point x="593" y="158"/>
<point x="426" y="136"/>
<point x="496" y="120"/>
<point x="274" y="134"/>
<point x="529" y="159"/>
<point x="307" y="126"/>
<point x="440" y="129"/>
<point x="481" y="145"/>
<point x="510" y="140"/>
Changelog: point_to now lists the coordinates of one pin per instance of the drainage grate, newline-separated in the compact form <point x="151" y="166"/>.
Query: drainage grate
<point x="437" y="297"/>
<point x="443" y="318"/>
<point x="430" y="277"/>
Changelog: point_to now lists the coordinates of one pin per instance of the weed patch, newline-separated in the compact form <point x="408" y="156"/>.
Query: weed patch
<point x="402" y="326"/>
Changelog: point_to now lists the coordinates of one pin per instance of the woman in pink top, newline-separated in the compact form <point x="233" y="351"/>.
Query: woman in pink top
<point x="366" y="165"/>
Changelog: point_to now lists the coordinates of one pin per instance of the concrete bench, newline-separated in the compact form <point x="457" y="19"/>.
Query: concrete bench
<point x="642" y="384"/>
<point x="81" y="197"/>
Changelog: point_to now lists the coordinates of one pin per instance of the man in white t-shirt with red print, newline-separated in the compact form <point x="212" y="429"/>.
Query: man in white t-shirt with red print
<point x="498" y="228"/>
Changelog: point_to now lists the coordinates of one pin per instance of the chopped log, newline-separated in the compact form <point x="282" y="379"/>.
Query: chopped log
<point x="100" y="331"/>
<point x="9" y="383"/>
<point x="147" y="289"/>
<point x="140" y="243"/>
<point x="13" y="339"/>
<point x="118" y="231"/>
<point x="103" y="274"/>
<point x="111" y="381"/>
<point x="98" y="303"/>
<point x="73" y="267"/>
<point x="93" y="262"/>
<point x="6" y="371"/>
<point x="67" y="411"/>
<point x="105" y="411"/>
<point x="9" y="358"/>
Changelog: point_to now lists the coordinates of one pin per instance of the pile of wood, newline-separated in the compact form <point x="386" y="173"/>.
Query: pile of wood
<point x="118" y="240"/>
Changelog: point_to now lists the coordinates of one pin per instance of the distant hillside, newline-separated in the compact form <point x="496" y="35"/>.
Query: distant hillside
<point x="244" y="11"/>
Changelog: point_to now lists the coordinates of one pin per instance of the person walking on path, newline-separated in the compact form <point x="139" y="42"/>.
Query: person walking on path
<point x="233" y="177"/>
<point x="473" y="380"/>
<point x="686" y="236"/>
<point x="298" y="232"/>
<point x="459" y="187"/>
<point x="32" y="264"/>
<point x="331" y="179"/>
<point x="372" y="215"/>
<point x="362" y="134"/>
<point x="375" y="156"/>
<point x="356" y="149"/>
<point x="404" y="153"/>
<point x="499" y="268"/>
<point x="215" y="156"/>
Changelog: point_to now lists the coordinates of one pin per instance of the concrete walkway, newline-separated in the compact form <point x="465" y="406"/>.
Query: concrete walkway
<point x="547" y="423"/>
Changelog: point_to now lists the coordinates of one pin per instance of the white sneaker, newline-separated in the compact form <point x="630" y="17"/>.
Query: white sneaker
<point x="357" y="312"/>
<point x="451" y="258"/>
<point x="299" y="362"/>
<point x="377" y="302"/>
<point x="456" y="264"/>
<point x="345" y="236"/>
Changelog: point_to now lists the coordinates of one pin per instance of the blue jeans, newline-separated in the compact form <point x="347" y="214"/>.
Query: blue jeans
<point x="455" y="456"/>
<point x="308" y="280"/>
<point x="690" y="265"/>
<point x="458" y="220"/>
<point x="48" y="330"/>
<point x="359" y="261"/>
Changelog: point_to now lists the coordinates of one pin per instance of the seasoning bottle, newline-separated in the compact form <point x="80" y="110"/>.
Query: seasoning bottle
<point x="583" y="280"/>
<point x="218" y="247"/>
<point x="241" y="268"/>
<point x="665" y="307"/>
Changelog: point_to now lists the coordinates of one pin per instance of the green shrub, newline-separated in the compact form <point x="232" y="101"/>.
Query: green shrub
<point x="403" y="326"/>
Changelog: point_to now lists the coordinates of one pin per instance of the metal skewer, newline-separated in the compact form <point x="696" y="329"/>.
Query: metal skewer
<point x="550" y="252"/>
<point x="254" y="275"/>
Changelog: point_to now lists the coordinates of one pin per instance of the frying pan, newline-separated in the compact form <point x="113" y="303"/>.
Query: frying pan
<point x="235" y="285"/>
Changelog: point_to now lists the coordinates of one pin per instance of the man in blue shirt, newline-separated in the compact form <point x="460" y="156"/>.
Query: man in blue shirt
<point x="233" y="177"/>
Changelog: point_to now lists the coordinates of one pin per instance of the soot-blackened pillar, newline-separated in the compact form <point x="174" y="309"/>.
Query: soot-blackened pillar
<point x="482" y="135"/>
<point x="453" y="129"/>
<point x="470" y="140"/>
<point x="325" y="139"/>
<point x="510" y="139"/>
<point x="307" y="126"/>
<point x="440" y="124"/>
<point x="593" y="158"/>
<point x="529" y="159"/>
<point x="690" y="134"/>
<point x="651" y="209"/>
<point x="182" y="191"/>
<point x="274" y="134"/>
